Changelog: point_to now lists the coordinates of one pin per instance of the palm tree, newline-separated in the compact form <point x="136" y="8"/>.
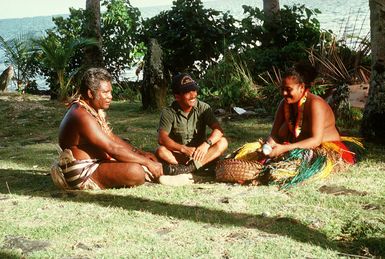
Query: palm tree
<point x="373" y="124"/>
<point x="272" y="18"/>
<point x="93" y="54"/>
<point x="271" y="7"/>
<point x="56" y="54"/>
<point x="19" y="53"/>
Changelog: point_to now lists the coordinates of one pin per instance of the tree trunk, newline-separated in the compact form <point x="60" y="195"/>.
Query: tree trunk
<point x="93" y="54"/>
<point x="155" y="83"/>
<point x="373" y="122"/>
<point x="271" y="7"/>
<point x="271" y="10"/>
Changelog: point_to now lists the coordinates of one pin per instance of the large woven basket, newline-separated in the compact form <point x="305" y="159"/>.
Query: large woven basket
<point x="237" y="171"/>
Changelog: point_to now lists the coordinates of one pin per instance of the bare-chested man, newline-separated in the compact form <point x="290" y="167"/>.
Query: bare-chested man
<point x="303" y="120"/>
<point x="93" y="157"/>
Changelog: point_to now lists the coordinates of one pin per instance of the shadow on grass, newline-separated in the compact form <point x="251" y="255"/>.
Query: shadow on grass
<point x="9" y="255"/>
<point x="39" y="184"/>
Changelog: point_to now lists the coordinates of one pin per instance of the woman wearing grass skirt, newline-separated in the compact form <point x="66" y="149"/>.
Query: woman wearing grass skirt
<point x="304" y="140"/>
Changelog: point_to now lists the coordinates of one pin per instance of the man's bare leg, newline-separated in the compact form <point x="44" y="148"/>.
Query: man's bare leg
<point x="167" y="156"/>
<point x="118" y="174"/>
<point x="215" y="151"/>
<point x="178" y="163"/>
<point x="174" y="158"/>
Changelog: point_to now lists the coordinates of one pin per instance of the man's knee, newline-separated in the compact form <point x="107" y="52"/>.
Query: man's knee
<point x="166" y="155"/>
<point x="135" y="174"/>
<point x="161" y="151"/>
<point x="222" y="145"/>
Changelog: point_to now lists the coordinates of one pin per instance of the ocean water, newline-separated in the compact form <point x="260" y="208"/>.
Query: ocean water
<point x="341" y="16"/>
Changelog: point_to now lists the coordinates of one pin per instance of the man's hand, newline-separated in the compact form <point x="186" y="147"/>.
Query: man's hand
<point x="155" y="168"/>
<point x="201" y="151"/>
<point x="188" y="151"/>
<point x="150" y="156"/>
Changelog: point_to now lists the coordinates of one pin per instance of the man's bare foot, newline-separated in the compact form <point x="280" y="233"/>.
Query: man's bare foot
<point x="176" y="180"/>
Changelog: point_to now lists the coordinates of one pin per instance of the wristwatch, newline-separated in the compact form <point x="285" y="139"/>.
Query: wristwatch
<point x="209" y="142"/>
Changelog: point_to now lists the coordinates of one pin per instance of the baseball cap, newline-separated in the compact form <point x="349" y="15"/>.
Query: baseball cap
<point x="183" y="83"/>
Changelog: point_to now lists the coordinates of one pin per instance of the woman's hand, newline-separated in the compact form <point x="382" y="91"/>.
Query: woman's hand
<point x="278" y="149"/>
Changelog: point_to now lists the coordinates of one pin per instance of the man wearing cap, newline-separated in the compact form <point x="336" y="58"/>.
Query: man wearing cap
<point x="184" y="145"/>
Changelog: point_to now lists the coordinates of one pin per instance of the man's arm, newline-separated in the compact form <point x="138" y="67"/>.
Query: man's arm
<point x="91" y="132"/>
<point x="215" y="135"/>
<point x="165" y="140"/>
<point x="148" y="155"/>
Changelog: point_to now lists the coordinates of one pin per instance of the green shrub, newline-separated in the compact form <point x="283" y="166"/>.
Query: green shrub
<point x="295" y="29"/>
<point x="126" y="91"/>
<point x="120" y="20"/>
<point x="189" y="34"/>
<point x="228" y="84"/>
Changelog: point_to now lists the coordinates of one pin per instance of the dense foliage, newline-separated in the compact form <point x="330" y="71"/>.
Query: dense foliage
<point x="204" y="42"/>
<point x="191" y="36"/>
<point x="259" y="46"/>
<point x="280" y="43"/>
<point x="119" y="26"/>
<point x="55" y="57"/>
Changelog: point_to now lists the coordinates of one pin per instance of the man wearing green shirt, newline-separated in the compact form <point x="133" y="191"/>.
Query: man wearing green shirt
<point x="184" y="145"/>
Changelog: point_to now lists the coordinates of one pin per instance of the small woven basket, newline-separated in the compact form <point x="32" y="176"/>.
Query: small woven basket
<point x="237" y="171"/>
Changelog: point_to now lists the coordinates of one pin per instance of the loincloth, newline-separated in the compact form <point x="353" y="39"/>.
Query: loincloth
<point x="69" y="173"/>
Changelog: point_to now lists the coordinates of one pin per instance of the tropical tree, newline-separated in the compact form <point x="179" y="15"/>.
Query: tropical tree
<point x="265" y="41"/>
<point x="373" y="124"/>
<point x="93" y="54"/>
<point x="271" y="7"/>
<point x="190" y="34"/>
<point x="272" y="19"/>
<point x="119" y="27"/>
<point x="19" y="53"/>
<point x="55" y="56"/>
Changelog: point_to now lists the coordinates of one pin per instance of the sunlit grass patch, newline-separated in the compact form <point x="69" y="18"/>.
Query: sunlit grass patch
<point x="342" y="214"/>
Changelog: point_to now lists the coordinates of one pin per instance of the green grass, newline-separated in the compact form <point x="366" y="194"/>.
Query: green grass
<point x="204" y="220"/>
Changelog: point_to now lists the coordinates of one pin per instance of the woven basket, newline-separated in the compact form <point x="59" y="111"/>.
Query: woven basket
<point x="237" y="171"/>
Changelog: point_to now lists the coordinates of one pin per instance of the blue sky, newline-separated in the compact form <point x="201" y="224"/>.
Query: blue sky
<point x="30" y="8"/>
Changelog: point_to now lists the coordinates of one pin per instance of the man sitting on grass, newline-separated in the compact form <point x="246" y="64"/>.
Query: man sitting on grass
<point x="93" y="157"/>
<point x="182" y="130"/>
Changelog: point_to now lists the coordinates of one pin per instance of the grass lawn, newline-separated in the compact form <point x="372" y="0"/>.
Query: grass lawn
<point x="339" y="216"/>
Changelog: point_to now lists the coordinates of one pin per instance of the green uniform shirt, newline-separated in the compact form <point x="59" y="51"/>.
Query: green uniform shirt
<point x="187" y="129"/>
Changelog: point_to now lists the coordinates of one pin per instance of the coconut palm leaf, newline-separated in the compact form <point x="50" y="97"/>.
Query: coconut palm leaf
<point x="56" y="55"/>
<point x="19" y="53"/>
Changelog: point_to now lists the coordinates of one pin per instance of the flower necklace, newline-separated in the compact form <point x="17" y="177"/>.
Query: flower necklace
<point x="294" y="121"/>
<point x="99" y="115"/>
